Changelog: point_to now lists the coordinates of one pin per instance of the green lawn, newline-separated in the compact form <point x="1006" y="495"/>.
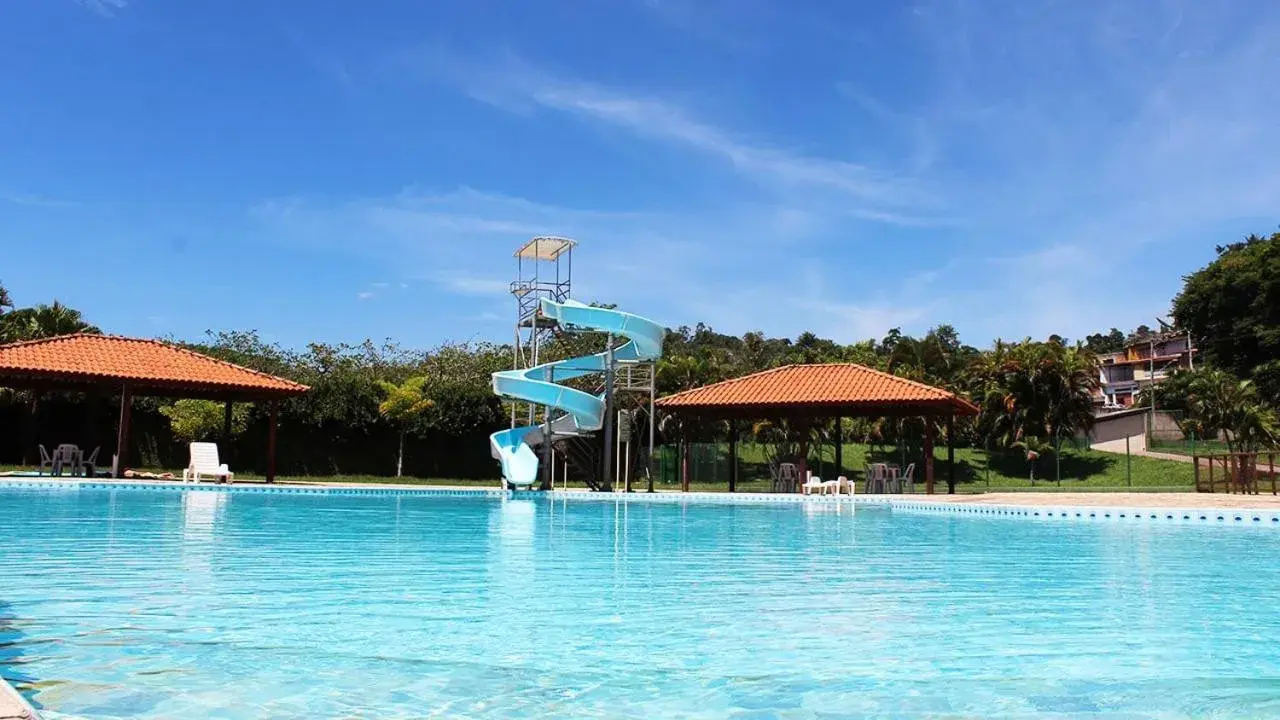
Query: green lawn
<point x="1081" y="470"/>
<point x="1185" y="447"/>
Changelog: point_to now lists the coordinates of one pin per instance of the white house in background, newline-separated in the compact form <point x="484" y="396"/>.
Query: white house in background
<point x="1143" y="361"/>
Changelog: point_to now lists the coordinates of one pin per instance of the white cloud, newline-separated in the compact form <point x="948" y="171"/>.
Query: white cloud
<point x="37" y="201"/>
<point x="365" y="295"/>
<point x="105" y="8"/>
<point x="676" y="268"/>
<point x="1054" y="168"/>
<point x="511" y="83"/>
<point x="468" y="285"/>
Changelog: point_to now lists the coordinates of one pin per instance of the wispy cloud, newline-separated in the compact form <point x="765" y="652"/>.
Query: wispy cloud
<point x="514" y="84"/>
<point x="105" y="8"/>
<point x="1034" y="168"/>
<point x="679" y="268"/>
<point x="37" y="201"/>
<point x="365" y="295"/>
<point x="468" y="285"/>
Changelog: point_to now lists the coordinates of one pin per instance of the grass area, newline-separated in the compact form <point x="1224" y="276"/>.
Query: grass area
<point x="1081" y="470"/>
<point x="1186" y="447"/>
<point x="975" y="472"/>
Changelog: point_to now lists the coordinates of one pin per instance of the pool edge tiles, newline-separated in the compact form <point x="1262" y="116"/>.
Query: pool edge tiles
<point x="1251" y="517"/>
<point x="1254" y="517"/>
<point x="71" y="485"/>
<point x="245" y="488"/>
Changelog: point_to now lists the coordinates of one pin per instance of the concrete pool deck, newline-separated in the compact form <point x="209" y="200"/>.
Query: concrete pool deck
<point x="1178" y="500"/>
<point x="1187" y="500"/>
<point x="13" y="706"/>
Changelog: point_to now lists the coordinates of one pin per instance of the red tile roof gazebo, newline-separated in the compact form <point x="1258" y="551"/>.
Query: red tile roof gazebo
<point x="803" y="393"/>
<point x="138" y="367"/>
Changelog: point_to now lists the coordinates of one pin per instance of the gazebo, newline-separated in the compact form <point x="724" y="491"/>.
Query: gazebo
<point x="102" y="364"/>
<point x="802" y="394"/>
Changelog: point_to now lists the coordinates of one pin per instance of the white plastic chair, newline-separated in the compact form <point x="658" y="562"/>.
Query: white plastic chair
<point x="892" y="481"/>
<point x="788" y="477"/>
<point x="877" y="473"/>
<point x="66" y="456"/>
<point x="834" y="486"/>
<point x="204" y="462"/>
<point x="89" y="465"/>
<point x="46" y="461"/>
<point x="813" y="482"/>
<point x="907" y="482"/>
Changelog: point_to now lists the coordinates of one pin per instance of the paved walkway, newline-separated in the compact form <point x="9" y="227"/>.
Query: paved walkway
<point x="1137" y="445"/>
<point x="13" y="706"/>
<point x="1083" y="499"/>
<point x="1190" y="500"/>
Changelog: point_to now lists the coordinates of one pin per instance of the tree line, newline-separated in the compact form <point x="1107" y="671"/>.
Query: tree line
<point x="377" y="407"/>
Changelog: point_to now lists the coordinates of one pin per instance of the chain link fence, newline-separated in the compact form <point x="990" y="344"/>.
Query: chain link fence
<point x="1172" y="432"/>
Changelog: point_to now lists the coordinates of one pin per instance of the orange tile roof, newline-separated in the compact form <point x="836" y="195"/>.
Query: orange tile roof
<point x="148" y="366"/>
<point x="846" y="387"/>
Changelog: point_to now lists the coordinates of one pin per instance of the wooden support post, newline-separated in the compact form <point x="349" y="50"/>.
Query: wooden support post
<point x="226" y="453"/>
<point x="928" y="456"/>
<point x="684" y="466"/>
<point x="1195" y="462"/>
<point x="733" y="456"/>
<point x="272" y="422"/>
<point x="839" y="450"/>
<point x="1211" y="474"/>
<point x="122" y="432"/>
<point x="951" y="454"/>
<point x="804" y="455"/>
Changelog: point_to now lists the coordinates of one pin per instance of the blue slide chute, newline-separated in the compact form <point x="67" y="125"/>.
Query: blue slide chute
<point x="584" y="412"/>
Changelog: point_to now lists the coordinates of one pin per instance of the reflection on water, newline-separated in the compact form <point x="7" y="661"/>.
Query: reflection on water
<point x="150" y="604"/>
<point x="201" y="510"/>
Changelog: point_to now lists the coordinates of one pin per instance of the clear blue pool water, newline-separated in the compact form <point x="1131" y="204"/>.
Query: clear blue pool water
<point x="151" y="604"/>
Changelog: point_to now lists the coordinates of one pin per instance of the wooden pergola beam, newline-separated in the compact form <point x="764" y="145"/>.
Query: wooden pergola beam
<point x="100" y="364"/>
<point x="122" y="431"/>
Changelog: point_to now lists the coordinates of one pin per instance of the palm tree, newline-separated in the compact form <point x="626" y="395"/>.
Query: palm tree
<point x="1217" y="400"/>
<point x="404" y="404"/>
<point x="1035" y="448"/>
<point x="685" y="372"/>
<point x="1033" y="389"/>
<point x="43" y="321"/>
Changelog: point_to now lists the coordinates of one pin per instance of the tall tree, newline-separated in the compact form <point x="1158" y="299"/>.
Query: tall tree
<point x="1213" y="401"/>
<point x="404" y="404"/>
<point x="43" y="321"/>
<point x="195" y="420"/>
<point x="5" y="300"/>
<point x="1232" y="308"/>
<point x="1034" y="389"/>
<point x="1101" y="344"/>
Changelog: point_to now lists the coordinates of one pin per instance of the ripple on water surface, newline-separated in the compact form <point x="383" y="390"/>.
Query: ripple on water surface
<point x="135" y="603"/>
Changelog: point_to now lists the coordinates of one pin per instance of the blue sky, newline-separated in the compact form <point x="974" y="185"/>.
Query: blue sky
<point x="333" y="171"/>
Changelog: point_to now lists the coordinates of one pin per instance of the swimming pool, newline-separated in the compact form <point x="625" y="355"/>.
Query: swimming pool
<point x="144" y="603"/>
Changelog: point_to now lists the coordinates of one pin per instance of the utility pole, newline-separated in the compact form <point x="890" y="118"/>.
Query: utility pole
<point x="548" y="453"/>
<point x="607" y="485"/>
<point x="1151" y="378"/>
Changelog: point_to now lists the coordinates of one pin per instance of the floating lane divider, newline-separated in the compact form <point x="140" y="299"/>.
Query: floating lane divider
<point x="1220" y="516"/>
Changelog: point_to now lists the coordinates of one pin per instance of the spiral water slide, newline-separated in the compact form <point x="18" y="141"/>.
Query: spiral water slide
<point x="584" y="412"/>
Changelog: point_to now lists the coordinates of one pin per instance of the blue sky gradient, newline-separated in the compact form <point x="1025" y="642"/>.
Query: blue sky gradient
<point x="333" y="171"/>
